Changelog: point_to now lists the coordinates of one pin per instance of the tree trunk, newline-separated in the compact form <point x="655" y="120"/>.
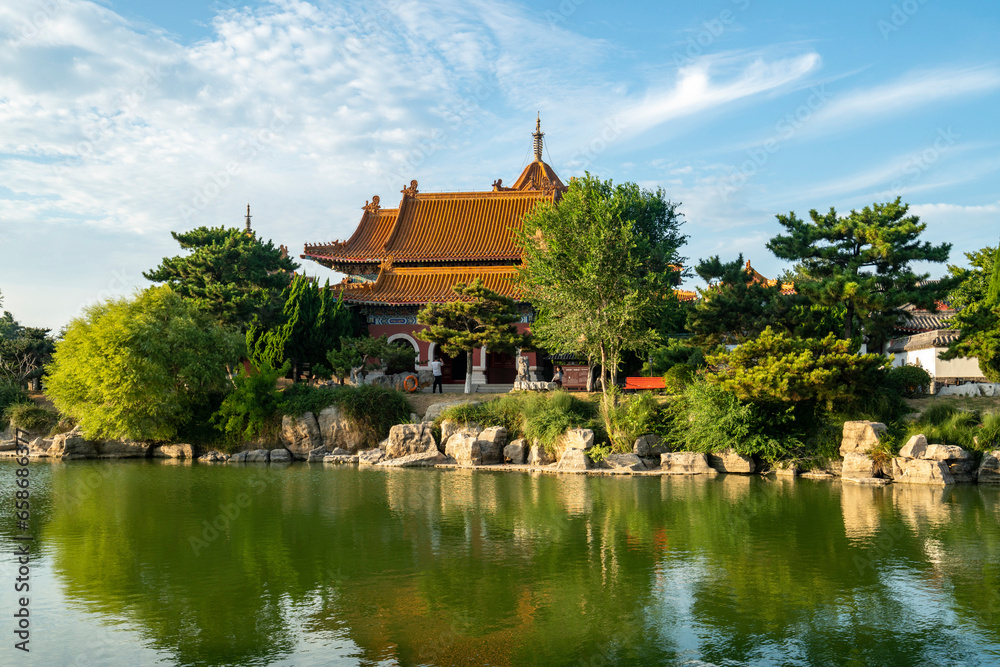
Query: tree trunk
<point x="604" y="370"/>
<point x="849" y="322"/>
<point x="468" y="372"/>
<point x="590" y="374"/>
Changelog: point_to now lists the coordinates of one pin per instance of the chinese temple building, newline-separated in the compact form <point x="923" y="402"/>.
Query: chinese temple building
<point x="399" y="259"/>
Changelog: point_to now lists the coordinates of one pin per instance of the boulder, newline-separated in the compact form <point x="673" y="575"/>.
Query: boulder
<point x="300" y="435"/>
<point x="649" y="445"/>
<point x="786" y="469"/>
<point x="429" y="457"/>
<point x="280" y="455"/>
<point x="450" y="428"/>
<point x="258" y="456"/>
<point x="178" y="451"/>
<point x="539" y="456"/>
<point x="970" y="389"/>
<point x="406" y="439"/>
<point x="10" y="445"/>
<point x="369" y="457"/>
<point x="491" y="442"/>
<point x="341" y="458"/>
<point x="914" y="447"/>
<point x="465" y="449"/>
<point x="435" y="409"/>
<point x="945" y="453"/>
<point x="122" y="449"/>
<point x="319" y="454"/>
<point x="686" y="463"/>
<point x="858" y="466"/>
<point x="338" y="431"/>
<point x="238" y="457"/>
<point x="651" y="462"/>
<point x="574" y="438"/>
<point x="574" y="460"/>
<point x="920" y="471"/>
<point x="39" y="447"/>
<point x="729" y="461"/>
<point x="989" y="469"/>
<point x="860" y="436"/>
<point x="69" y="446"/>
<point x="624" y="462"/>
<point x="212" y="456"/>
<point x="516" y="452"/>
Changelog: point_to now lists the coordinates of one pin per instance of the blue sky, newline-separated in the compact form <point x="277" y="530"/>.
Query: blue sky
<point x="122" y="120"/>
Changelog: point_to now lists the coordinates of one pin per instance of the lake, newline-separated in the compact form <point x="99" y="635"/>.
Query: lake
<point x="138" y="563"/>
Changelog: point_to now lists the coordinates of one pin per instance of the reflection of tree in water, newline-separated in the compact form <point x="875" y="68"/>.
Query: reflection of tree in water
<point x="418" y="566"/>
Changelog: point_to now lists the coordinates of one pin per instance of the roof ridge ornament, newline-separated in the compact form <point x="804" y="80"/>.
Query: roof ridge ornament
<point x="538" y="134"/>
<point x="410" y="191"/>
<point x="248" y="218"/>
<point x="374" y="206"/>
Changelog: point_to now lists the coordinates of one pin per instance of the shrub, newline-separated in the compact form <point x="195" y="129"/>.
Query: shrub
<point x="626" y="418"/>
<point x="677" y="379"/>
<point x="31" y="417"/>
<point x="937" y="414"/>
<point x="11" y="393"/>
<point x="908" y="380"/>
<point x="374" y="410"/>
<point x="249" y="411"/>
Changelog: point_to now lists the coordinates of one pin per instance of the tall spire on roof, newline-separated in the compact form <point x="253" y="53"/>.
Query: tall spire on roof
<point x="248" y="217"/>
<point x="538" y="134"/>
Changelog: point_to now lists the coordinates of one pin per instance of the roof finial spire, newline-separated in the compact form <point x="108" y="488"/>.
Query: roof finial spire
<point x="538" y="137"/>
<point x="248" y="217"/>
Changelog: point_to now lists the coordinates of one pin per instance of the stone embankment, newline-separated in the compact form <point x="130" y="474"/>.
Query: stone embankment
<point x="331" y="438"/>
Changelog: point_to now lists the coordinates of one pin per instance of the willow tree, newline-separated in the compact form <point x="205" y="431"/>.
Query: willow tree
<point x="478" y="317"/>
<point x="599" y="267"/>
<point x="863" y="262"/>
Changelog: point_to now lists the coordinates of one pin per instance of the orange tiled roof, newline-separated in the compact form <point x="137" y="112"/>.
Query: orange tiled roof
<point x="366" y="245"/>
<point x="402" y="286"/>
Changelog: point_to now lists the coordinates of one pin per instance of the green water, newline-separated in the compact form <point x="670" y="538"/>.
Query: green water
<point x="314" y="565"/>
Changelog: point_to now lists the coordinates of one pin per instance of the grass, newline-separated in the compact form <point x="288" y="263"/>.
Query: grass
<point x="31" y="417"/>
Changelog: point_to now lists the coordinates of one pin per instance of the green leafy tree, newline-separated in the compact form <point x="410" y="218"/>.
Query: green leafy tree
<point x="249" y="410"/>
<point x="314" y="318"/>
<point x="862" y="262"/>
<point x="230" y="273"/>
<point x="138" y="368"/>
<point x="341" y="360"/>
<point x="24" y="351"/>
<point x="977" y="299"/>
<point x="478" y="317"/>
<point x="600" y="267"/>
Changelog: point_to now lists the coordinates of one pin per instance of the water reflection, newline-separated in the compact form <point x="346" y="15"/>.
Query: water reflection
<point x="313" y="564"/>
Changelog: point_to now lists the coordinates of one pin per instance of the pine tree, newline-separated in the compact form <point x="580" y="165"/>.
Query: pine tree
<point x="977" y="299"/>
<point x="479" y="317"/>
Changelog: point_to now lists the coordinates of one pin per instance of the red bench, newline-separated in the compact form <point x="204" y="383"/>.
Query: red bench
<point x="632" y="384"/>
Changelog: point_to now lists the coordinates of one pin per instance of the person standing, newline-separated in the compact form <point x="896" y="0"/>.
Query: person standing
<point x="437" y="368"/>
<point x="557" y="376"/>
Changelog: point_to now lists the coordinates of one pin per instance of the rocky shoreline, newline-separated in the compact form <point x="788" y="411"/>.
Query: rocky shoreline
<point x="332" y="439"/>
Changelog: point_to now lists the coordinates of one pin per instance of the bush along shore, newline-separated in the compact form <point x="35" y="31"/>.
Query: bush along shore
<point x="546" y="434"/>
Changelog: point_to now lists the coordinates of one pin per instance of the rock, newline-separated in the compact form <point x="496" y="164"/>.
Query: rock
<point x="179" y="451"/>
<point x="414" y="419"/>
<point x="341" y="458"/>
<point x="280" y="455"/>
<point x="731" y="462"/>
<point x="258" y="456"/>
<point x="396" y="381"/>
<point x="539" y="456"/>
<point x="430" y="457"/>
<point x="989" y="469"/>
<point x="465" y="449"/>
<point x="516" y="452"/>
<point x="435" y="409"/>
<point x="338" y="431"/>
<point x="300" y="435"/>
<point x="686" y="463"/>
<point x="491" y="442"/>
<point x="860" y="436"/>
<point x="39" y="447"/>
<point x="340" y="451"/>
<point x="858" y="466"/>
<point x="971" y="389"/>
<point x="914" y="447"/>
<point x="649" y="445"/>
<point x="11" y="445"/>
<point x="944" y="453"/>
<point x="651" y="462"/>
<point x="624" y="462"/>
<point x="964" y="471"/>
<point x="868" y="481"/>
<point x="531" y="385"/>
<point x="122" y="449"/>
<point x="370" y="457"/>
<point x="574" y="460"/>
<point x="574" y="438"/>
<point x="70" y="446"/>
<point x="406" y="439"/>
<point x="238" y="457"/>
<point x="786" y="469"/>
<point x="319" y="454"/>
<point x="920" y="471"/>
<point x="450" y="428"/>
<point x="212" y="456"/>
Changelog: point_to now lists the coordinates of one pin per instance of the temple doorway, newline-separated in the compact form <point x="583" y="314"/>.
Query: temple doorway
<point x="453" y="371"/>
<point x="501" y="368"/>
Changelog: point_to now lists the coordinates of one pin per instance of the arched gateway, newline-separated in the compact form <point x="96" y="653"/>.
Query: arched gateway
<point x="400" y="259"/>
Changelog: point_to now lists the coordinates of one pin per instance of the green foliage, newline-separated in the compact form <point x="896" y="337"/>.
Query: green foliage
<point x="11" y="394"/>
<point x="862" y="262"/>
<point x="677" y="379"/>
<point x="248" y="411"/>
<point x="230" y="273"/>
<point x="24" y="351"/>
<point x="599" y="267"/>
<point x="342" y="359"/>
<point x="31" y="417"/>
<point x="780" y="368"/>
<point x="478" y="317"/>
<point x="908" y="380"/>
<point x="373" y="410"/>
<point x="674" y="352"/>
<point x="140" y="368"/>
<point x="937" y="414"/>
<point x="627" y="417"/>
<point x="598" y="453"/>
<point x="989" y="432"/>
<point x="955" y="427"/>
<point x="313" y="319"/>
<point x="978" y="317"/>
<point x="392" y="358"/>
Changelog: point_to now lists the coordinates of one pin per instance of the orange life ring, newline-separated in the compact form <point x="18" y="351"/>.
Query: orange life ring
<point x="407" y="386"/>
